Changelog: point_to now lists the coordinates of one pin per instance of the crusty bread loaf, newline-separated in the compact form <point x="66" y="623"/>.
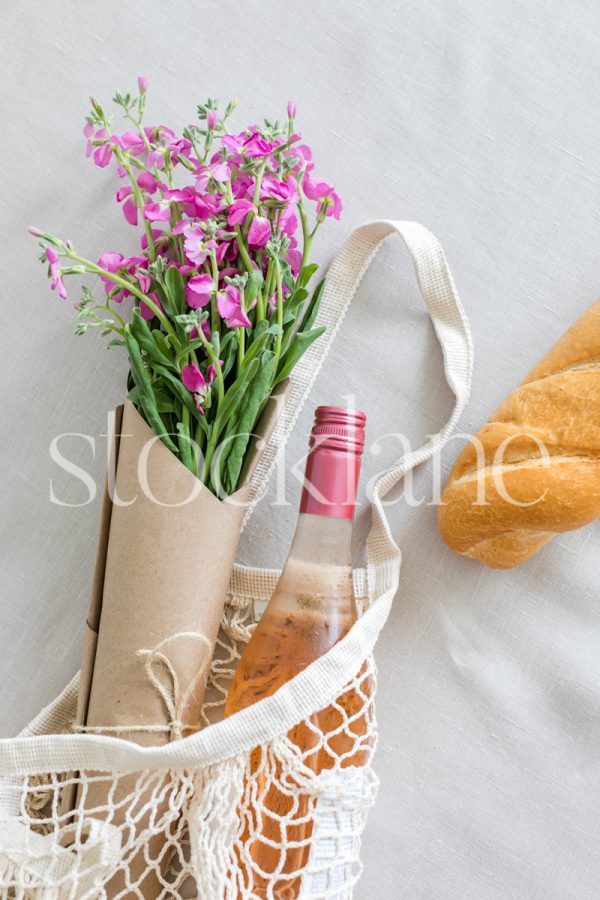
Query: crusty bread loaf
<point x="557" y="406"/>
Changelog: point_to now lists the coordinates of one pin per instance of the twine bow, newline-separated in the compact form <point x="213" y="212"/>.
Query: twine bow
<point x="163" y="677"/>
<point x="174" y="701"/>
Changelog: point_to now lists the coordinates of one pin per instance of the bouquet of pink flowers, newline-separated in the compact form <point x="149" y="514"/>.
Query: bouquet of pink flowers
<point x="214" y="312"/>
<point x="220" y="312"/>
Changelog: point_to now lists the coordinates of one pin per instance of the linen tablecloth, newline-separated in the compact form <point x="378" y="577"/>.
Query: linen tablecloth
<point x="480" y="120"/>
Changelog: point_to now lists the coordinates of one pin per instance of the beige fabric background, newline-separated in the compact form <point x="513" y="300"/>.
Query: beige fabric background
<point x="479" y="119"/>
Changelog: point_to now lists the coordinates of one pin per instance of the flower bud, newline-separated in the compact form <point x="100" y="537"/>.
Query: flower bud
<point x="96" y="107"/>
<point x="142" y="83"/>
<point x="291" y="109"/>
<point x="212" y="117"/>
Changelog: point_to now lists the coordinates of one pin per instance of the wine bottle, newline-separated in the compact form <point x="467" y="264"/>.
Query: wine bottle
<point x="311" y="609"/>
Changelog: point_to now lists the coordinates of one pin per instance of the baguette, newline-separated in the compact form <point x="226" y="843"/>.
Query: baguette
<point x="537" y="468"/>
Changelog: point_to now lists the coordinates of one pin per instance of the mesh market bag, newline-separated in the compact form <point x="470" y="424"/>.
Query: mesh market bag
<point x="186" y="819"/>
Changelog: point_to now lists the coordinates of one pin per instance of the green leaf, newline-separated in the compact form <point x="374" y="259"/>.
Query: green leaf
<point x="253" y="286"/>
<point x="313" y="307"/>
<point x="229" y="355"/>
<point x="185" y="447"/>
<point x="175" y="287"/>
<point x="261" y="334"/>
<point x="235" y="394"/>
<point x="177" y="388"/>
<point x="298" y="347"/>
<point x="204" y="425"/>
<point x="306" y="273"/>
<point x="134" y="396"/>
<point x="141" y="379"/>
<point x="165" y="403"/>
<point x="146" y="339"/>
<point x="161" y="342"/>
<point x="254" y="398"/>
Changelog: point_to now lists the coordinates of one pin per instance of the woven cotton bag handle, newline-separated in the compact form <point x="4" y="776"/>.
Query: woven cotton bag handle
<point x="321" y="682"/>
<point x="452" y="330"/>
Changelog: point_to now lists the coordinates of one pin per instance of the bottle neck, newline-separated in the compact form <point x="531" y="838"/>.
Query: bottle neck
<point x="318" y="565"/>
<point x="322" y="541"/>
<point x="330" y="481"/>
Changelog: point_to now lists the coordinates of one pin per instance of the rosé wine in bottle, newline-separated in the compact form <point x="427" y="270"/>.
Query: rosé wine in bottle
<point x="312" y="608"/>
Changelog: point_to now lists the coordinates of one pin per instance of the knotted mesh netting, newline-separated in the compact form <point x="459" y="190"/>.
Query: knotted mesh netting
<point x="281" y="821"/>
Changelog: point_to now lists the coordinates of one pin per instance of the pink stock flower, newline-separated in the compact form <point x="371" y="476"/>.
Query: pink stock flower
<point x="242" y="185"/>
<point x="284" y="191"/>
<point x="111" y="261"/>
<point x="291" y="109"/>
<point x="209" y="205"/>
<point x="250" y="143"/>
<point x="186" y="196"/>
<point x="226" y="250"/>
<point x="198" y="290"/>
<point x="197" y="384"/>
<point x="211" y="372"/>
<point x="56" y="277"/>
<point x="229" y="305"/>
<point x="212" y="119"/>
<point x="158" y="212"/>
<point x="102" y="155"/>
<point x="193" y="378"/>
<point x="130" y="210"/>
<point x="233" y="142"/>
<point x="256" y="146"/>
<point x="294" y="258"/>
<point x="145" y="311"/>
<point x="194" y="245"/>
<point x="142" y="83"/>
<point x="182" y="147"/>
<point x="148" y="182"/>
<point x="218" y="171"/>
<point x="144" y="280"/>
<point x="156" y="157"/>
<point x="238" y="211"/>
<point x="131" y="141"/>
<point x="325" y="194"/>
<point x="303" y="154"/>
<point x="288" y="221"/>
<point x="260" y="232"/>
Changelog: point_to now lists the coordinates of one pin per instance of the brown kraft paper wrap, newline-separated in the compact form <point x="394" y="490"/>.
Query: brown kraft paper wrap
<point x="165" y="554"/>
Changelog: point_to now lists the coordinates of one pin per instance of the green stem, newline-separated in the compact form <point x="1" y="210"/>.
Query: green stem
<point x="241" y="349"/>
<point x="194" y="145"/>
<point x="279" y="311"/>
<point x="98" y="270"/>
<point x="139" y="201"/>
<point x="257" y="184"/>
<point x="208" y="347"/>
<point x="114" y="313"/>
<point x="138" y="125"/>
<point x="108" y="324"/>
<point x="307" y="237"/>
<point x="269" y="280"/>
<point x="208" y="458"/>
<point x="215" y="322"/>
<point x="198" y="438"/>
<point x="260" y="308"/>
<point x="242" y="248"/>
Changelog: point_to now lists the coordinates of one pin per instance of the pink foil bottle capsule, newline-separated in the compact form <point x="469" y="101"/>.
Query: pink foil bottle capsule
<point x="336" y="444"/>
